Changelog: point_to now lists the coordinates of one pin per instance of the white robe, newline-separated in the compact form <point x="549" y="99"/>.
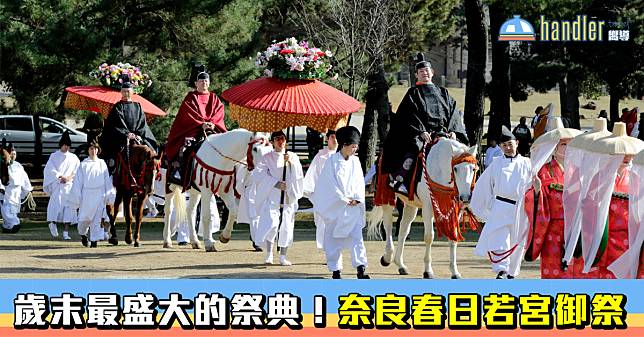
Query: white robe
<point x="92" y="189"/>
<point x="158" y="189"/>
<point x="507" y="178"/>
<point x="60" y="164"/>
<point x="18" y="188"/>
<point x="491" y="153"/>
<point x="311" y="177"/>
<point x="264" y="198"/>
<point x="341" y="181"/>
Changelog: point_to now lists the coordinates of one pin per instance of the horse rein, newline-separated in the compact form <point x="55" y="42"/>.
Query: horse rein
<point x="464" y="157"/>
<point x="250" y="165"/>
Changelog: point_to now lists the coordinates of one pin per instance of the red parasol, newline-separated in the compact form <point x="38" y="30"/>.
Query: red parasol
<point x="269" y="104"/>
<point x="100" y="99"/>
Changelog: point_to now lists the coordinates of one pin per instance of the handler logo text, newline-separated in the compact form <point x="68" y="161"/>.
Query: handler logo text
<point x="582" y="29"/>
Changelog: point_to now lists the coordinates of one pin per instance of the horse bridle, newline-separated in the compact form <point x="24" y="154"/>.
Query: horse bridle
<point x="249" y="163"/>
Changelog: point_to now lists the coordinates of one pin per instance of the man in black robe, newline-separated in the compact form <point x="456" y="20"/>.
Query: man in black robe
<point x="426" y="112"/>
<point x="125" y="121"/>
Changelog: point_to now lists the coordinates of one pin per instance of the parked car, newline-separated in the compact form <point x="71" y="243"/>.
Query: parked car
<point x="21" y="131"/>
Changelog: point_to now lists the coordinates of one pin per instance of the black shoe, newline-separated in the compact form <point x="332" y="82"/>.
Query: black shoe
<point x="182" y="243"/>
<point x="84" y="240"/>
<point x="6" y="230"/>
<point x="336" y="275"/>
<point x="256" y="247"/>
<point x="510" y="277"/>
<point x="15" y="229"/>
<point x="502" y="275"/>
<point x="94" y="244"/>
<point x="361" y="273"/>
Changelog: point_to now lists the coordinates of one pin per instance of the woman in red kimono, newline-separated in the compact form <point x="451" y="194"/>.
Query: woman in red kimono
<point x="546" y="216"/>
<point x="617" y="243"/>
<point x="546" y="238"/>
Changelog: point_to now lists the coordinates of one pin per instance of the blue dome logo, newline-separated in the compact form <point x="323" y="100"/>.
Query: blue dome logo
<point x="516" y="29"/>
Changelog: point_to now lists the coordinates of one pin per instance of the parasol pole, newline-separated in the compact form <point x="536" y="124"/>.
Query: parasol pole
<point x="293" y="139"/>
<point x="282" y="196"/>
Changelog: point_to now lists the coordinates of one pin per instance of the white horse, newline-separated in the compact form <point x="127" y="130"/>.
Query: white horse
<point x="213" y="169"/>
<point x="441" y="171"/>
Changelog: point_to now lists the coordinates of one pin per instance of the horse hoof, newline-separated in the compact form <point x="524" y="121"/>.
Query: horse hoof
<point x="403" y="271"/>
<point x="211" y="249"/>
<point x="113" y="241"/>
<point x="383" y="262"/>
<point x="196" y="245"/>
<point x="167" y="245"/>
<point x="223" y="239"/>
<point x="457" y="277"/>
<point x="128" y="240"/>
<point x="428" y="276"/>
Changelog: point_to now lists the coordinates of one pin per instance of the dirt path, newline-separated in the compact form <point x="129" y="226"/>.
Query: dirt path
<point x="33" y="254"/>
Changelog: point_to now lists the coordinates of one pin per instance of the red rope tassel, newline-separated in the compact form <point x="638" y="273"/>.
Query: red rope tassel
<point x="502" y="255"/>
<point x="227" y="187"/>
<point x="218" y="184"/>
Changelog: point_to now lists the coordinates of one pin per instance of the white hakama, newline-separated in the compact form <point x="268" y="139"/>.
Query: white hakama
<point x="311" y="177"/>
<point x="494" y="200"/>
<point x="60" y="164"/>
<point x="264" y="198"/>
<point x="339" y="182"/>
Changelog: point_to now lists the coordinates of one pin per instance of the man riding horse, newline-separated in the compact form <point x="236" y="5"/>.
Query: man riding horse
<point x="125" y="123"/>
<point x="201" y="113"/>
<point x="426" y="112"/>
<point x="130" y="153"/>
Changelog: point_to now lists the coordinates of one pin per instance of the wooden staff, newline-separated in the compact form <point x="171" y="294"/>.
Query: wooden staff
<point x="282" y="196"/>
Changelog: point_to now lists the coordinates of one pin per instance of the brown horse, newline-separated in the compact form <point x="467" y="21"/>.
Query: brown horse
<point x="5" y="162"/>
<point x="134" y="175"/>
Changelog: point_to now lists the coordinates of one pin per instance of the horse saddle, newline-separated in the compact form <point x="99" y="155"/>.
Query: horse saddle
<point x="414" y="175"/>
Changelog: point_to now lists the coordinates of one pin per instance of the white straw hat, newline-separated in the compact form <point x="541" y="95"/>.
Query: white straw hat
<point x="617" y="143"/>
<point x="585" y="139"/>
<point x="557" y="133"/>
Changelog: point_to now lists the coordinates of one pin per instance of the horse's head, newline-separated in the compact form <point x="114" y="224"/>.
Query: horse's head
<point x="148" y="164"/>
<point x="5" y="162"/>
<point x="464" y="167"/>
<point x="259" y="147"/>
<point x="452" y="163"/>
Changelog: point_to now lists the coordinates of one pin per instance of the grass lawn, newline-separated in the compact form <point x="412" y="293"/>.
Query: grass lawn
<point x="527" y="107"/>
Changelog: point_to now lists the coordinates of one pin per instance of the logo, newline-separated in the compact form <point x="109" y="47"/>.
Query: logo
<point x="516" y="29"/>
<point x="582" y="29"/>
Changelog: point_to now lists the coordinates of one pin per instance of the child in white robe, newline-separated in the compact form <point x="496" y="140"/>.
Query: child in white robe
<point x="339" y="198"/>
<point x="57" y="183"/>
<point x="91" y="191"/>
<point x="17" y="190"/>
<point x="494" y="200"/>
<point x="311" y="178"/>
<point x="276" y="221"/>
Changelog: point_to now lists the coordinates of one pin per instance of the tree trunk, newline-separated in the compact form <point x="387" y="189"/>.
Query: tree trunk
<point x="476" y="61"/>
<point x="377" y="103"/>
<point x="614" y="103"/>
<point x="563" y="93"/>
<point x="500" y="85"/>
<point x="38" y="160"/>
<point x="572" y="101"/>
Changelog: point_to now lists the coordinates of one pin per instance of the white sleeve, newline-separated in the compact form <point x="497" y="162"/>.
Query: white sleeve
<point x="370" y="174"/>
<point x="483" y="194"/>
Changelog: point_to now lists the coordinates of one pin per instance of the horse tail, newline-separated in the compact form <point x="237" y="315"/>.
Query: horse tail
<point x="374" y="221"/>
<point x="179" y="202"/>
